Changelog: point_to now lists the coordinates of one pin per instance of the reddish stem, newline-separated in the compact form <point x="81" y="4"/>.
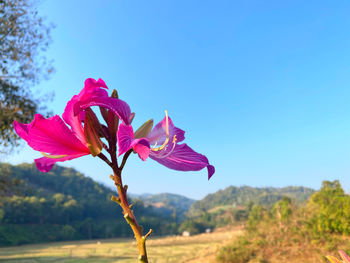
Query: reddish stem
<point x="123" y="202"/>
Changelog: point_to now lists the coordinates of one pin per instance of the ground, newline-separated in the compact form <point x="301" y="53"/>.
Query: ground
<point x="198" y="248"/>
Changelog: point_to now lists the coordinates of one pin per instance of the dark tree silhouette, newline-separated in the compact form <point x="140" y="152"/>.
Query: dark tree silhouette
<point x="23" y="37"/>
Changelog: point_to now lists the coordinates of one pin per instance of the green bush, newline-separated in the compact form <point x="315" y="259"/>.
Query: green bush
<point x="320" y="226"/>
<point x="238" y="252"/>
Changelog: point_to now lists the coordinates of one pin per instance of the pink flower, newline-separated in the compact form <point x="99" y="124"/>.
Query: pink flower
<point x="55" y="140"/>
<point x="66" y="139"/>
<point x="345" y="258"/>
<point x="165" y="149"/>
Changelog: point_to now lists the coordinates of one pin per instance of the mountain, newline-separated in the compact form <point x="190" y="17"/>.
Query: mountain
<point x="64" y="204"/>
<point x="242" y="196"/>
<point x="167" y="204"/>
<point x="233" y="205"/>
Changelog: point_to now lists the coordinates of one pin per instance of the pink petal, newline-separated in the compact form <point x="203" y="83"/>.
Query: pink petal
<point x="74" y="121"/>
<point x="334" y="259"/>
<point x="21" y="130"/>
<point x="141" y="146"/>
<point x="158" y="133"/>
<point x="90" y="83"/>
<point x="125" y="136"/>
<point x="92" y="88"/>
<point x="183" y="158"/>
<point x="45" y="164"/>
<point x="126" y="141"/>
<point x="344" y="256"/>
<point x="119" y="107"/>
<point x="51" y="136"/>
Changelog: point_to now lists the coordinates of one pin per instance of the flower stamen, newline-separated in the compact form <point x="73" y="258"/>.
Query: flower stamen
<point x="53" y="156"/>
<point x="156" y="149"/>
<point x="165" y="154"/>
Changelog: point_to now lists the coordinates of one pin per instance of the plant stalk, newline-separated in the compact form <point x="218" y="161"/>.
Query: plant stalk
<point x="129" y="216"/>
<point x="122" y="198"/>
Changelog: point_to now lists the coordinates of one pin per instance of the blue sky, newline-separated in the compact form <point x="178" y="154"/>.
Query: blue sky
<point x="262" y="88"/>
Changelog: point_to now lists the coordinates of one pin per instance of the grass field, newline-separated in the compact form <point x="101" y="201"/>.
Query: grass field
<point x="199" y="248"/>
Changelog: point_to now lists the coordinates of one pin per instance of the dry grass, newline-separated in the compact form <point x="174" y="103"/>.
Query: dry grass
<point x="200" y="248"/>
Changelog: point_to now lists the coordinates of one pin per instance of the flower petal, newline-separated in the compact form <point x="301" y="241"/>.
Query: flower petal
<point x="45" y="164"/>
<point x="158" y="133"/>
<point x="183" y="158"/>
<point x="119" y="107"/>
<point x="141" y="146"/>
<point x="344" y="256"/>
<point x="51" y="136"/>
<point x="125" y="136"/>
<point x="333" y="259"/>
<point x="74" y="121"/>
<point x="92" y="88"/>
<point x="21" y="129"/>
<point x="126" y="141"/>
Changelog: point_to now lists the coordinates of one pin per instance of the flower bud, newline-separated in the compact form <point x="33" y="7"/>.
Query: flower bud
<point x="114" y="94"/>
<point x="113" y="123"/>
<point x="132" y="116"/>
<point x="104" y="113"/>
<point x="144" y="130"/>
<point x="92" y="127"/>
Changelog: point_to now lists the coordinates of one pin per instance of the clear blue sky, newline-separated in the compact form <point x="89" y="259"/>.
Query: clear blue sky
<point x="262" y="88"/>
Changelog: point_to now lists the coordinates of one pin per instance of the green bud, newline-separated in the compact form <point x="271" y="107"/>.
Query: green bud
<point x="128" y="219"/>
<point x="144" y="130"/>
<point x="115" y="199"/>
<point x="114" y="94"/>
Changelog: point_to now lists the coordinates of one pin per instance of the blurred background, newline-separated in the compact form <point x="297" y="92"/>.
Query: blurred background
<point x="260" y="87"/>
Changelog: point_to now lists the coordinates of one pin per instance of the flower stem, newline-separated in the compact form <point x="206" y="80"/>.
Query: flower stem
<point x="122" y="200"/>
<point x="129" y="215"/>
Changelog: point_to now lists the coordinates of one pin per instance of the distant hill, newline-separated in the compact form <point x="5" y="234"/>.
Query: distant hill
<point x="172" y="205"/>
<point x="232" y="205"/>
<point x="242" y="196"/>
<point x="64" y="204"/>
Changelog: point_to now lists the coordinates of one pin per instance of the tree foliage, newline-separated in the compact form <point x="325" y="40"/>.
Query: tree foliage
<point x="23" y="37"/>
<point x="63" y="204"/>
<point x="320" y="226"/>
<point x="243" y="195"/>
<point x="330" y="210"/>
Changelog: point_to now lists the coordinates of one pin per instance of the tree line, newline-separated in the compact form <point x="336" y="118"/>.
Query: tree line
<point x="65" y="205"/>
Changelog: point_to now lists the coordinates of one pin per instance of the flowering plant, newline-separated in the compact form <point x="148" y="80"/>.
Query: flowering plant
<point x="79" y="132"/>
<point x="345" y="258"/>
